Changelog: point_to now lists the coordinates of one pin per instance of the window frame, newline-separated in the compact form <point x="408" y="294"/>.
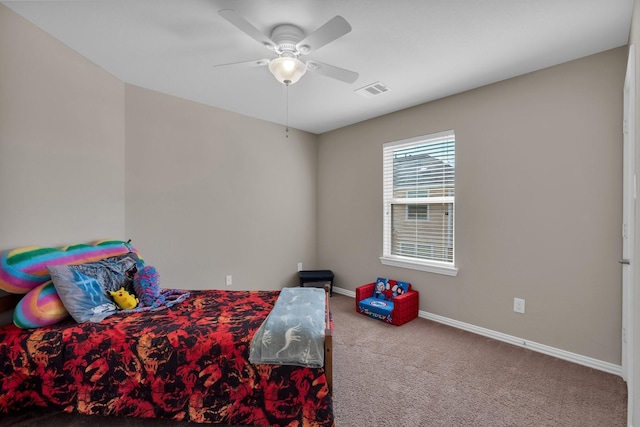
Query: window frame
<point x="429" y="265"/>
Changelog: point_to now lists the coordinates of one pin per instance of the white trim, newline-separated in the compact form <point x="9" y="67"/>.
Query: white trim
<point x="389" y="257"/>
<point x="442" y="136"/>
<point x="590" y="362"/>
<point x="628" y="235"/>
<point x="531" y="345"/>
<point x="430" y="267"/>
<point x="345" y="292"/>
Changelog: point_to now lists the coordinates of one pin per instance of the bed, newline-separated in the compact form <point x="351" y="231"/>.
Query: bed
<point x="188" y="361"/>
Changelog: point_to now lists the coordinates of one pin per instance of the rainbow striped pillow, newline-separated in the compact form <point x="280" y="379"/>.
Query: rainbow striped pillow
<point x="40" y="307"/>
<point x="23" y="269"/>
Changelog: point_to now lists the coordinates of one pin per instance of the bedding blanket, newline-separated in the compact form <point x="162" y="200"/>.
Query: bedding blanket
<point x="186" y="362"/>
<point x="293" y="334"/>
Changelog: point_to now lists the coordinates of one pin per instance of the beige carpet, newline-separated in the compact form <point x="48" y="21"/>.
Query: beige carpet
<point x="426" y="374"/>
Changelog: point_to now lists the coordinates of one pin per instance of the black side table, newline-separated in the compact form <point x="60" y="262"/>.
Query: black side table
<point x="308" y="276"/>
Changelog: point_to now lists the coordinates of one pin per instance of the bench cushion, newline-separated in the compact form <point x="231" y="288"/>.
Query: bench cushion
<point x="377" y="308"/>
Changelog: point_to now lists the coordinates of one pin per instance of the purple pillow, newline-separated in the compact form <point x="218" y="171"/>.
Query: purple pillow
<point x="146" y="285"/>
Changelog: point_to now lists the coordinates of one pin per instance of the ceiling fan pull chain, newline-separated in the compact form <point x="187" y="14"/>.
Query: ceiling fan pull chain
<point x="286" y="132"/>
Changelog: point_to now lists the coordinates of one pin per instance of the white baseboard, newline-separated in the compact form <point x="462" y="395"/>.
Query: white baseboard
<point x="346" y="292"/>
<point x="520" y="342"/>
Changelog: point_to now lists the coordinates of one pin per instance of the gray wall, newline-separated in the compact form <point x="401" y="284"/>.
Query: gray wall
<point x="61" y="142"/>
<point x="208" y="193"/>
<point x="211" y="193"/>
<point x="538" y="204"/>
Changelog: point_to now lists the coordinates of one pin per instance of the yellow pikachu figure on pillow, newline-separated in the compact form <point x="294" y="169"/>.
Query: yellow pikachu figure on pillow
<point x="124" y="299"/>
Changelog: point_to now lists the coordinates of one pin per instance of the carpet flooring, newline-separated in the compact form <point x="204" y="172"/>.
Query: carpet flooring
<point x="427" y="374"/>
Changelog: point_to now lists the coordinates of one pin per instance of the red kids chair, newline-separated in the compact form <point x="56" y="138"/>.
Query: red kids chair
<point x="388" y="300"/>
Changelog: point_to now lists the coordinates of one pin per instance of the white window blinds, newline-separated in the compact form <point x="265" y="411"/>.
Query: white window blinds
<point x="419" y="198"/>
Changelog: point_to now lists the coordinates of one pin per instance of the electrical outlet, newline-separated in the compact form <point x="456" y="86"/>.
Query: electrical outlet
<point x="228" y="280"/>
<point x="299" y="266"/>
<point x="518" y="305"/>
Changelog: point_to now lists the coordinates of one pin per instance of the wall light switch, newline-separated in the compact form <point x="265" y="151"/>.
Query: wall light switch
<point x="299" y="266"/>
<point x="228" y="280"/>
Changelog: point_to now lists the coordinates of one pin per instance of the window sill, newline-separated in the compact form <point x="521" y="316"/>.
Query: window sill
<point x="431" y="267"/>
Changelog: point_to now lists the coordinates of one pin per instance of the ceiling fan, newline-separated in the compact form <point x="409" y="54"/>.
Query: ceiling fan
<point x="289" y="42"/>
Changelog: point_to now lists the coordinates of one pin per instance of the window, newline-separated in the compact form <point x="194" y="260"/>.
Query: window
<point x="415" y="249"/>
<point x="419" y="198"/>
<point x="417" y="212"/>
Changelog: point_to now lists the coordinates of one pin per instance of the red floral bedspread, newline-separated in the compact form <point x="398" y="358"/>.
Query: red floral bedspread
<point x="186" y="362"/>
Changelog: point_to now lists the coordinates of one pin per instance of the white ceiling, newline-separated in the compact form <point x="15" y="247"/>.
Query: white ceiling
<point x="421" y="49"/>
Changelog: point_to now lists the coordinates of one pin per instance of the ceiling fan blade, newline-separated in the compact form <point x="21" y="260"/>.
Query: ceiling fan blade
<point x="333" y="29"/>
<point x="246" y="27"/>
<point x="333" y="71"/>
<point x="252" y="63"/>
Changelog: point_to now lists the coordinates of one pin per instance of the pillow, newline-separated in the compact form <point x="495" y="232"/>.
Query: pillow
<point x="83" y="296"/>
<point x="40" y="307"/>
<point x="25" y="268"/>
<point x="146" y="286"/>
<point x="380" y="287"/>
<point x="112" y="273"/>
<point x="388" y="289"/>
<point x="403" y="288"/>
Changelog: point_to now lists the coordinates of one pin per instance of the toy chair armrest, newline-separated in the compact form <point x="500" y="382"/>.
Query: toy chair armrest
<point x="410" y="298"/>
<point x="364" y="291"/>
<point x="405" y="307"/>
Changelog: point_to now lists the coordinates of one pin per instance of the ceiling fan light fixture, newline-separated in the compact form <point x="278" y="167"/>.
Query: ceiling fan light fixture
<point x="286" y="69"/>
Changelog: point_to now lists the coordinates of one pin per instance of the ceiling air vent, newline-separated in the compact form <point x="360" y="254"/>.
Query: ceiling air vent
<point x="373" y="89"/>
